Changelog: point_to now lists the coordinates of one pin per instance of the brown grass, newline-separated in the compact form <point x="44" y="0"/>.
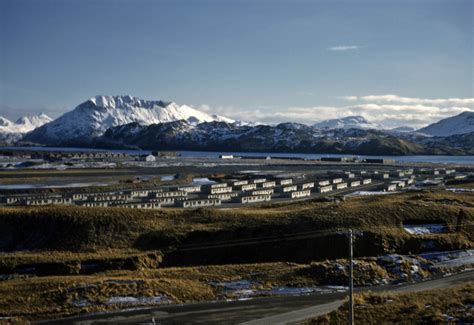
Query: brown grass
<point x="426" y="307"/>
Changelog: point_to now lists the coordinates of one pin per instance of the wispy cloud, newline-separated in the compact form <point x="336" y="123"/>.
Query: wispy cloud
<point x="343" y="48"/>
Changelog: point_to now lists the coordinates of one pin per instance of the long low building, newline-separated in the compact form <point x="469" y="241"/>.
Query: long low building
<point x="259" y="180"/>
<point x="95" y="204"/>
<point x="287" y="181"/>
<point x="255" y="199"/>
<point x="199" y="203"/>
<point x="306" y="186"/>
<point x="190" y="189"/>
<point x="171" y="194"/>
<point x="299" y="194"/>
<point x="140" y="206"/>
<point x="220" y="190"/>
<point x="355" y="183"/>
<point x="164" y="201"/>
<point x="248" y="187"/>
<point x="367" y="181"/>
<point x="341" y="186"/>
<point x="325" y="189"/>
<point x="268" y="191"/>
<point x="112" y="198"/>
<point x="268" y="184"/>
<point x="240" y="182"/>
<point x="223" y="196"/>
<point x="55" y="201"/>
<point x="287" y="189"/>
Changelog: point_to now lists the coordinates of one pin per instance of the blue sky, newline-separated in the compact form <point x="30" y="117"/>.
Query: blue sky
<point x="268" y="61"/>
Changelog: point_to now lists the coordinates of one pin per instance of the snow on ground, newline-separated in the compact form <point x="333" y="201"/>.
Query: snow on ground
<point x="425" y="229"/>
<point x="167" y="177"/>
<point x="202" y="181"/>
<point x="454" y="189"/>
<point x="456" y="258"/>
<point x="367" y="193"/>
<point x="127" y="300"/>
<point x="393" y="263"/>
<point x="244" y="289"/>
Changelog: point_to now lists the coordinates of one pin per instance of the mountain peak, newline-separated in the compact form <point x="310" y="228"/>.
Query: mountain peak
<point x="458" y="124"/>
<point x="94" y="116"/>
<point x="34" y="120"/>
<point x="125" y="101"/>
<point x="356" y="121"/>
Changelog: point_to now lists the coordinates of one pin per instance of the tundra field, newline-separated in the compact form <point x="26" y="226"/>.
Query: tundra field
<point x="67" y="260"/>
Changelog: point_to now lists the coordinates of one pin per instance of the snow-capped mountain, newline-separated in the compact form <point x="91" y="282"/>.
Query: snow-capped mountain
<point x="349" y="122"/>
<point x="93" y="117"/>
<point x="284" y="137"/>
<point x="459" y="124"/>
<point x="13" y="131"/>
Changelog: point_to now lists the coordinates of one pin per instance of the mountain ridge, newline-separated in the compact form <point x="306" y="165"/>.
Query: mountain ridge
<point x="458" y="124"/>
<point x="94" y="116"/>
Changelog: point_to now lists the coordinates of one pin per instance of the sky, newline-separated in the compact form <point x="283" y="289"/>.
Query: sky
<point x="404" y="62"/>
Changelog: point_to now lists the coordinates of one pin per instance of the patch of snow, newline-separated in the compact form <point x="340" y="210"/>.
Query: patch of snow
<point x="450" y="258"/>
<point x="368" y="193"/>
<point x="202" y="181"/>
<point x="461" y="190"/>
<point x="167" y="177"/>
<point x="424" y="229"/>
<point x="128" y="300"/>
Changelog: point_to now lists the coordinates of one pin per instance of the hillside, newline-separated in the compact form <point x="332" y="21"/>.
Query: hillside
<point x="459" y="124"/>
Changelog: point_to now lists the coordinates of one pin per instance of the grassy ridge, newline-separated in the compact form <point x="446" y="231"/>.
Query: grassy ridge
<point x="54" y="296"/>
<point x="83" y="229"/>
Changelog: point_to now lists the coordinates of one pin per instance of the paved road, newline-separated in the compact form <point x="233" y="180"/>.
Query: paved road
<point x="273" y="310"/>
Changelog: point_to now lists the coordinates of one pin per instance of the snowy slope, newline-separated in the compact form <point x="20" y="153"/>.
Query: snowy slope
<point x="11" y="132"/>
<point x="93" y="117"/>
<point x="357" y="122"/>
<point x="459" y="124"/>
<point x="23" y="124"/>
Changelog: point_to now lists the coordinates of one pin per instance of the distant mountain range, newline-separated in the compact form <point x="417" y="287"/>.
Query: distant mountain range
<point x="349" y="122"/>
<point x="13" y="131"/>
<point x="284" y="137"/>
<point x="126" y="121"/>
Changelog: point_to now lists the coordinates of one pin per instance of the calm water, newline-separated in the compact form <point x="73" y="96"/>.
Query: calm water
<point x="215" y="154"/>
<point x="431" y="159"/>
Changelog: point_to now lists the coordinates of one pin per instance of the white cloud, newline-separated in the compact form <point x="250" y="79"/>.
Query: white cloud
<point x="387" y="110"/>
<point x="412" y="100"/>
<point x="343" y="48"/>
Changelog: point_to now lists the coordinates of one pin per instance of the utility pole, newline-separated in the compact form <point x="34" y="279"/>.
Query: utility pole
<point x="351" y="283"/>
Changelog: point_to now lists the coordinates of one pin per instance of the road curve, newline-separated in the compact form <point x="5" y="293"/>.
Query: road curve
<point x="270" y="310"/>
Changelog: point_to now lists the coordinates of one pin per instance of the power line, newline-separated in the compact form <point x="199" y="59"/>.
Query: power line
<point x="296" y="236"/>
